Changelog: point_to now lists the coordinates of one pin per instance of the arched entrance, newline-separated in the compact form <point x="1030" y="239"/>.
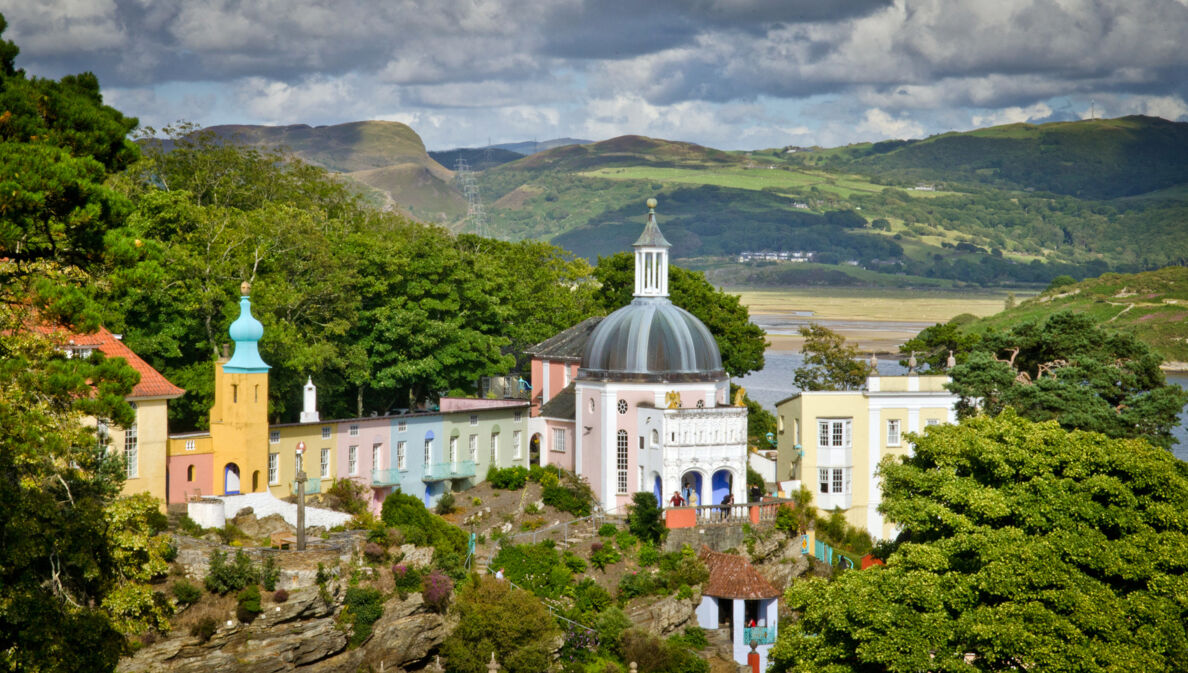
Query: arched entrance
<point x="722" y="484"/>
<point x="657" y="490"/>
<point x="534" y="450"/>
<point x="231" y="479"/>
<point x="690" y="484"/>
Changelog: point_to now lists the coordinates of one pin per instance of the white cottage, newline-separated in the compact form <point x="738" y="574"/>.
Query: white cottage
<point x="738" y="598"/>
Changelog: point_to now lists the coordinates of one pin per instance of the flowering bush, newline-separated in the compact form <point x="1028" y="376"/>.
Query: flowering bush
<point x="408" y="580"/>
<point x="436" y="588"/>
<point x="374" y="553"/>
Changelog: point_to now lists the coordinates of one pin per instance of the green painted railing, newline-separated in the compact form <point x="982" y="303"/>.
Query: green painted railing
<point x="388" y="477"/>
<point x="312" y="485"/>
<point x="763" y="635"/>
<point x="442" y="471"/>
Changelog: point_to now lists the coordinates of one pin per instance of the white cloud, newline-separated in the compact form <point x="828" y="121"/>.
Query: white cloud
<point x="879" y="125"/>
<point x="1012" y="115"/>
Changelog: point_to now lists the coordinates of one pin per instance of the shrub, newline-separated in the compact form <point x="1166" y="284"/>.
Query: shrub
<point x="544" y="475"/>
<point x="323" y="575"/>
<point x="610" y="624"/>
<point x="223" y="577"/>
<point x="374" y="553"/>
<point x="653" y="655"/>
<point x="445" y="504"/>
<point x="407" y="580"/>
<point x="644" y="517"/>
<point x="603" y="556"/>
<point x="204" y="628"/>
<point x="570" y="494"/>
<point x="269" y="573"/>
<point x="683" y="567"/>
<point x="495" y="617"/>
<point x="248" y="607"/>
<point x="436" y="588"/>
<point x="348" y="496"/>
<point x="607" y="530"/>
<point x="575" y="563"/>
<point x="418" y="525"/>
<point x="188" y="526"/>
<point x="280" y="596"/>
<point x="476" y="501"/>
<point x="508" y="478"/>
<point x="648" y="555"/>
<point x="379" y="534"/>
<point x="626" y="541"/>
<point x="632" y="585"/>
<point x="531" y="508"/>
<point x="590" y="598"/>
<point x="532" y="524"/>
<point x="684" y="592"/>
<point x="362" y="607"/>
<point x="186" y="592"/>
<point x="694" y="637"/>
<point x="535" y="567"/>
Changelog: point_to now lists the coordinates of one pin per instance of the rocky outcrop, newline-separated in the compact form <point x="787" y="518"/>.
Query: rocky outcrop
<point x="667" y="615"/>
<point x="302" y="634"/>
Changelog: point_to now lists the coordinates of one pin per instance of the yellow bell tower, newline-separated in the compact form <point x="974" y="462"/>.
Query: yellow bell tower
<point x="239" y="417"/>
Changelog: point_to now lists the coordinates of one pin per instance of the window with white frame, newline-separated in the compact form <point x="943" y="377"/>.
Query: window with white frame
<point x="621" y="463"/>
<point x="273" y="468"/>
<point x="833" y="432"/>
<point x="474" y="419"/>
<point x="559" y="440"/>
<point x="131" y="453"/>
<point x="494" y="447"/>
<point x="428" y="451"/>
<point x="189" y="445"/>
<point x="325" y="463"/>
<point x="454" y="449"/>
<point x="931" y="422"/>
<point x="326" y="432"/>
<point x="472" y="446"/>
<point x="516" y="445"/>
<point x="834" y="480"/>
<point x="353" y="431"/>
<point x="893" y="432"/>
<point x="517" y="416"/>
<point x="274" y="437"/>
<point x="376" y="454"/>
<point x="401" y="459"/>
<point x="401" y="426"/>
<point x="352" y="460"/>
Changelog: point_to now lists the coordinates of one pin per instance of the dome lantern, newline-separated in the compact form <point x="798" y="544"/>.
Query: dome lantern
<point x="651" y="258"/>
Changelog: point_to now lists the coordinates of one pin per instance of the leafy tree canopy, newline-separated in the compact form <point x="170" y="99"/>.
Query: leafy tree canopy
<point x="495" y="617"/>
<point x="1067" y="368"/>
<point x="829" y="363"/>
<point x="1023" y="547"/>
<point x="740" y="341"/>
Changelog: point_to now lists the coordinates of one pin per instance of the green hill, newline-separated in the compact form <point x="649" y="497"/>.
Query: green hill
<point x="1095" y="159"/>
<point x="1152" y="305"/>
<point x="389" y="158"/>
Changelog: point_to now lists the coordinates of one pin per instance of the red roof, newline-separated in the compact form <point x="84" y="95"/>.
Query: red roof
<point x="733" y="576"/>
<point x="152" y="382"/>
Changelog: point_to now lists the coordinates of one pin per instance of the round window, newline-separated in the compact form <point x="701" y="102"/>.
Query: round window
<point x="622" y="406"/>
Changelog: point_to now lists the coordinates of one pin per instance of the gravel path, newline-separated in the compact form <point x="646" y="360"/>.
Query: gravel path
<point x="264" y="504"/>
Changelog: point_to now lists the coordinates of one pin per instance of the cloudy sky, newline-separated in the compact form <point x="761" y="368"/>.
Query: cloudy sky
<point x="732" y="74"/>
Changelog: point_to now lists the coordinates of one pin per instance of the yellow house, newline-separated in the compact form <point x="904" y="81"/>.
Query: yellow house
<point x="304" y="446"/>
<point x="832" y="441"/>
<point x="143" y="444"/>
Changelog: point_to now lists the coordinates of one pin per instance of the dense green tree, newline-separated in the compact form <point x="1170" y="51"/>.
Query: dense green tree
<point x="829" y="363"/>
<point x="1023" y="547"/>
<point x="740" y="341"/>
<point x="1067" y="368"/>
<point x="494" y="617"/>
<point x="643" y="517"/>
<point x="933" y="345"/>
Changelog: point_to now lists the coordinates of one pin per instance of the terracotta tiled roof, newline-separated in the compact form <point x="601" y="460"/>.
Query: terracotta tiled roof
<point x="152" y="382"/>
<point x="733" y="576"/>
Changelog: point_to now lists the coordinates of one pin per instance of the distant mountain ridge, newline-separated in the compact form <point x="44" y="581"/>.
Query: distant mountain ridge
<point x="528" y="147"/>
<point x="1092" y="158"/>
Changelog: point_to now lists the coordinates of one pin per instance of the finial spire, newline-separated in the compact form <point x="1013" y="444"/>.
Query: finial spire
<point x="246" y="332"/>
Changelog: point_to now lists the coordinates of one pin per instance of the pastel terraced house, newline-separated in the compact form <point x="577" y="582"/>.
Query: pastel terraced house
<point x="832" y="441"/>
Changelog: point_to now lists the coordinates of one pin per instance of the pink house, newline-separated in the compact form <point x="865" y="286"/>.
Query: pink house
<point x="363" y="455"/>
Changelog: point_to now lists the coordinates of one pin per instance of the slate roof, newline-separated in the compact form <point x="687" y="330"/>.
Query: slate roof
<point x="733" y="576"/>
<point x="563" y="405"/>
<point x="567" y="345"/>
<point x="651" y="236"/>
<point x="152" y="382"/>
<point x="449" y="404"/>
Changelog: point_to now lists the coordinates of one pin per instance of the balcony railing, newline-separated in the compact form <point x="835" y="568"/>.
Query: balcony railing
<point x="443" y="471"/>
<point x="312" y="485"/>
<point x="763" y="635"/>
<point x="389" y="477"/>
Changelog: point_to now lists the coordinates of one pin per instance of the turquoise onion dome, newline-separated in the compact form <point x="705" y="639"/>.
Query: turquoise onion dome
<point x="246" y="331"/>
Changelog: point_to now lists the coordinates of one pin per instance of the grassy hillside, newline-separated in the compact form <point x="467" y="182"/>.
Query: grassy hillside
<point x="386" y="157"/>
<point x="1095" y="159"/>
<point x="1151" y="305"/>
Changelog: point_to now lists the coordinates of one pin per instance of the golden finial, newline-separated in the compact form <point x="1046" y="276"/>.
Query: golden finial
<point x="651" y="203"/>
<point x="245" y="288"/>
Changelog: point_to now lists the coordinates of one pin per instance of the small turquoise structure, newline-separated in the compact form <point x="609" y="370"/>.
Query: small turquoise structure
<point x="246" y="332"/>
